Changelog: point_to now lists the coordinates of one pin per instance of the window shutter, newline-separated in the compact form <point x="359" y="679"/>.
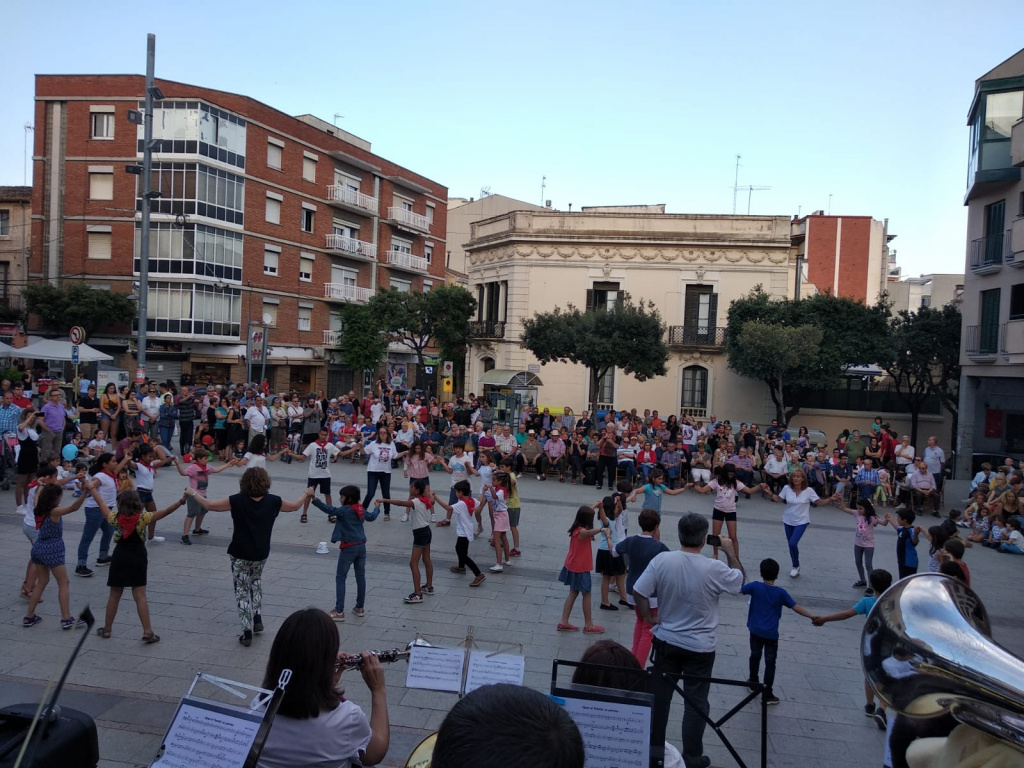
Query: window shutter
<point x="480" y="303"/>
<point x="713" y="314"/>
<point x="692" y="308"/>
<point x="99" y="245"/>
<point x="590" y="300"/>
<point x="620" y="296"/>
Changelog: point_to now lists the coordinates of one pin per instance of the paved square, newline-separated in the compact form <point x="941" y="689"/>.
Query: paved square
<point x="132" y="689"/>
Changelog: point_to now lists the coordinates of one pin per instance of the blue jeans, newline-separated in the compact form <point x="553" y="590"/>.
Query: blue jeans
<point x="373" y="479"/>
<point x="94" y="521"/>
<point x="166" y="436"/>
<point x="629" y="468"/>
<point x="349" y="556"/>
<point x="1013" y="549"/>
<point x="793" y="535"/>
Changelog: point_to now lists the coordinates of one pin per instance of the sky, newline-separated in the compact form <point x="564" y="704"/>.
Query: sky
<point x="857" y="108"/>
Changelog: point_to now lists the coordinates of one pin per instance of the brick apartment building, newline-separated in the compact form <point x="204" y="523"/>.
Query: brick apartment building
<point x="844" y="255"/>
<point x="263" y="218"/>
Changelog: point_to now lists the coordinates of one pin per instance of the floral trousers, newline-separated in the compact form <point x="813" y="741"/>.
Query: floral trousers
<point x="247" y="576"/>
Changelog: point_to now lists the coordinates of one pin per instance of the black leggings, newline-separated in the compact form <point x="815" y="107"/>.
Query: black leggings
<point x="372" y="479"/>
<point x="606" y="464"/>
<point x="185" y="432"/>
<point x="462" y="550"/>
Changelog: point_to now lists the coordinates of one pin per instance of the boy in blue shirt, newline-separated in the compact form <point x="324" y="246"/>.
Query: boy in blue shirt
<point x="766" y="601"/>
<point x="639" y="551"/>
<point x="906" y="542"/>
<point x="880" y="580"/>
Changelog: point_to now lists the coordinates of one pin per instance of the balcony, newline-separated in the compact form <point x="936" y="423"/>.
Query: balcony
<point x="345" y="292"/>
<point x="341" y="196"/>
<point x="1015" y="244"/>
<point x="988" y="253"/>
<point x="1017" y="144"/>
<point x="706" y="337"/>
<point x="400" y="217"/>
<point x="983" y="343"/>
<point x="332" y="338"/>
<point x="403" y="260"/>
<point x="487" y="329"/>
<point x="351" y="247"/>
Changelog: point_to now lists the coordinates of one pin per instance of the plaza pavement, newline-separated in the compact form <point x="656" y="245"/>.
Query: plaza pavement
<point x="131" y="689"/>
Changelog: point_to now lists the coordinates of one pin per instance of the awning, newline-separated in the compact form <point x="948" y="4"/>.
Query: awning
<point x="52" y="349"/>
<point x="506" y="378"/>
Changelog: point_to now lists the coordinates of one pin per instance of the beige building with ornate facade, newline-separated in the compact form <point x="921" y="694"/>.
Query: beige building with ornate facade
<point x="691" y="266"/>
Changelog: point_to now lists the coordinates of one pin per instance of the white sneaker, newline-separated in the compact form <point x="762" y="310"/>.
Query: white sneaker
<point x="794" y="572"/>
<point x="21" y="510"/>
<point x="405" y="518"/>
<point x="321" y="548"/>
<point x="507" y="564"/>
<point x="433" y="518"/>
<point x="495" y="568"/>
<point x="158" y="539"/>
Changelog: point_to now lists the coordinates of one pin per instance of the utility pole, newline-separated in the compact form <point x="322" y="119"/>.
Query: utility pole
<point x="147" y="196"/>
<point x="735" y="185"/>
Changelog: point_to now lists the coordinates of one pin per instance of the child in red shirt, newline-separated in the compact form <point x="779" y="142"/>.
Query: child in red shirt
<point x="578" y="564"/>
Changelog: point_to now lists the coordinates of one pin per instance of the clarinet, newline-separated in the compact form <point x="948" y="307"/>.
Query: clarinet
<point x="355" y="661"/>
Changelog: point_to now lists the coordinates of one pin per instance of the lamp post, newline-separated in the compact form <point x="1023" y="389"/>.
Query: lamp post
<point x="152" y="93"/>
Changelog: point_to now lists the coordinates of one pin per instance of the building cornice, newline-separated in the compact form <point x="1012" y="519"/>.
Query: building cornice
<point x="635" y="253"/>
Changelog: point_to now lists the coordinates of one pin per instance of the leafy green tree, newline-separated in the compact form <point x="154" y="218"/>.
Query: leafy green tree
<point x="61" y="308"/>
<point x="924" y="359"/>
<point x="627" y="336"/>
<point x="363" y="345"/>
<point x="851" y="334"/>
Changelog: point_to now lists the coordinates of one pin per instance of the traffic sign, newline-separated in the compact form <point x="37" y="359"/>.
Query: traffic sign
<point x="74" y="354"/>
<point x="77" y="334"/>
<point x="446" y="385"/>
<point x="447" y="368"/>
<point x="140" y="374"/>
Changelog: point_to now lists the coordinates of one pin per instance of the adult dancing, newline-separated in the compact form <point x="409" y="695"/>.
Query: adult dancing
<point x="799" y="498"/>
<point x="253" y="512"/>
<point x="380" y="452"/>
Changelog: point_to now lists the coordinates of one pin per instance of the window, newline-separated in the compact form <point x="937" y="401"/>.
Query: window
<point x="103" y="125"/>
<point x="270" y="261"/>
<point x="428" y="253"/>
<point x="101" y="185"/>
<point x="99" y="245"/>
<point x="926" y="300"/>
<point x="273" y="210"/>
<point x="306" y="268"/>
<point x="341" y="229"/>
<point x="187" y="308"/>
<point x="5" y="222"/>
<point x="428" y="285"/>
<point x="305" y="318"/>
<point x="1017" y="302"/>
<point x="606" y="388"/>
<point x="307" y="220"/>
<point x="197" y="190"/>
<point x="274" y="152"/>
<point x="269" y="313"/>
<point x="406" y="205"/>
<point x="193" y="249"/>
<point x="402" y="286"/>
<point x="402" y="246"/>
<point x="695" y="387"/>
<point x="700" y="314"/>
<point x="430" y="214"/>
<point x="989" y="320"/>
<point x="603" y="296"/>
<point x="309" y="168"/>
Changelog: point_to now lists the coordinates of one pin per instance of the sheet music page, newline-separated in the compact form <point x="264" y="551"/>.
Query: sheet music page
<point x="436" y="669"/>
<point x="614" y="735"/>
<point x="485" y="669"/>
<point x="207" y="738"/>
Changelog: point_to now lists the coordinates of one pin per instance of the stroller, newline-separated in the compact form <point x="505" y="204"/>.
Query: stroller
<point x="8" y="460"/>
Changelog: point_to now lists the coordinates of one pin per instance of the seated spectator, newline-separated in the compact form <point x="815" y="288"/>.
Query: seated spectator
<point x="866" y="480"/>
<point x="315" y="725"/>
<point x="625" y="458"/>
<point x="532" y="455"/>
<point x="921" y="483"/>
<point x="842" y="475"/>
<point x="507" y="726"/>
<point x="744" y="466"/>
<point x="555" y="454"/>
<point x="776" y="469"/>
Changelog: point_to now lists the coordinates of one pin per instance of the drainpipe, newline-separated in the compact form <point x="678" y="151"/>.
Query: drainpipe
<point x="376" y="226"/>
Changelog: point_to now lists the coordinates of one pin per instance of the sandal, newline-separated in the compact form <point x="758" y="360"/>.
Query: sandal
<point x="303" y="519"/>
<point x="150" y="637"/>
<point x="568" y="628"/>
<point x="103" y="632"/>
<point x="443" y="523"/>
<point x="597" y="629"/>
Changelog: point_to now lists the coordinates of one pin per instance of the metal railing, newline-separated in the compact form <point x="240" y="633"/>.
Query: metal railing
<point x="410" y="219"/>
<point x="407" y="261"/>
<point x="985" y="340"/>
<point x="350" y="245"/>
<point x="332" y="338"/>
<point x="345" y="292"/>
<point x="339" y="193"/>
<point x="694" y="413"/>
<point x="881" y="398"/>
<point x="488" y="329"/>
<point x="696" y="336"/>
<point x="989" y="252"/>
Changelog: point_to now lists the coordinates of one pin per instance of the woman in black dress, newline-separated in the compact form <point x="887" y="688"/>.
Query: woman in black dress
<point x="129" y="562"/>
<point x="28" y="455"/>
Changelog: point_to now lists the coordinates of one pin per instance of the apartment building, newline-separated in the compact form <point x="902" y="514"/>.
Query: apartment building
<point x="15" y="236"/>
<point x="843" y="255"/>
<point x="261" y="220"/>
<point x="992" y="347"/>
<point x="934" y="290"/>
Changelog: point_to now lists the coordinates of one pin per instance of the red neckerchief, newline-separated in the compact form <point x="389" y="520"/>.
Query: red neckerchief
<point x="150" y="467"/>
<point x="322" y="445"/>
<point x="470" y="503"/>
<point x="358" y="509"/>
<point x="128" y="523"/>
<point x="426" y="500"/>
<point x="111" y="475"/>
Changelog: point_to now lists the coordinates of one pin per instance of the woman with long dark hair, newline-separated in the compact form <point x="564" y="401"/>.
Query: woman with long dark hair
<point x="380" y="452"/>
<point x="315" y="725"/>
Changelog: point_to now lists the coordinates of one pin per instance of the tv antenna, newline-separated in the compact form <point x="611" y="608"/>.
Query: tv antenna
<point x="543" y="185"/>
<point x="751" y="189"/>
<point x="337" y="115"/>
<point x="485" y="192"/>
<point x="735" y="185"/>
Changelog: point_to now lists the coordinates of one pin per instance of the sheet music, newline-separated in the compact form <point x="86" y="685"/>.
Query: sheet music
<point x="614" y="735"/>
<point x="485" y="669"/>
<point x="436" y="669"/>
<point x="202" y="737"/>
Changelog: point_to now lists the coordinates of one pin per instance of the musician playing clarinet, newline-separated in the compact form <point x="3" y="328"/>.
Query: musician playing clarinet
<point x="315" y="725"/>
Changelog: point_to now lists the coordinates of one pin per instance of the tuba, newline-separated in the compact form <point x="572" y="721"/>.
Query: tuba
<point x="927" y="650"/>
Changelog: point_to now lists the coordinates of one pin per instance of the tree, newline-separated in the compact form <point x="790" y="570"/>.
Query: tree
<point x="363" y="345"/>
<point x="627" y="336"/>
<point x="61" y="308"/>
<point x="851" y="334"/>
<point x="419" y="320"/>
<point x="924" y="359"/>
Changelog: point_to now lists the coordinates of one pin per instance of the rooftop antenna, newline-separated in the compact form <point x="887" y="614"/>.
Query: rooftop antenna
<point x="829" y="203"/>
<point x="751" y="189"/>
<point x="28" y="129"/>
<point x="543" y="185"/>
<point x="336" y="116"/>
<point x="485" y="192"/>
<point x="735" y="185"/>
